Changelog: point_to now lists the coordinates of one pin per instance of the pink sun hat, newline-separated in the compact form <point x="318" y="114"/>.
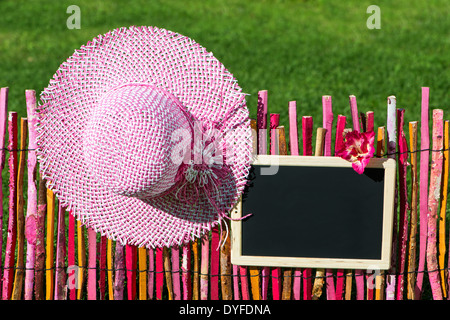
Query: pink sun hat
<point x="145" y="137"/>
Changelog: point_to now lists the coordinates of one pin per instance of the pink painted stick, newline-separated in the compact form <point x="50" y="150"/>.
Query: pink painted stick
<point x="354" y="112"/>
<point x="340" y="126"/>
<point x="391" y="148"/>
<point x="423" y="191"/>
<point x="369" y="121"/>
<point x="3" y="125"/>
<point x="60" y="274"/>
<point x="293" y="146"/>
<point x="328" y="125"/>
<point x="215" y="256"/>
<point x="30" y="221"/>
<point x="151" y="274"/>
<point x="8" y="272"/>
<point x="293" y="131"/>
<point x="276" y="272"/>
<point x="307" y="129"/>
<point x="359" y="274"/>
<point x="261" y="119"/>
<point x="236" y="292"/>
<point x="186" y="272"/>
<point x="71" y="255"/>
<point x="434" y="194"/>
<point x="403" y="223"/>
<point x="92" y="264"/>
<point x="327" y="110"/>
<point x="244" y="283"/>
<point x="176" y="272"/>
<point x="204" y="267"/>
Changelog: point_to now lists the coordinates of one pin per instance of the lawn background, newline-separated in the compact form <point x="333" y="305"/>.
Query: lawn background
<point x="297" y="50"/>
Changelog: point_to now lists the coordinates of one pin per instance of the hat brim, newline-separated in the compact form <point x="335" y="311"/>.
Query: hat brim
<point x="139" y="55"/>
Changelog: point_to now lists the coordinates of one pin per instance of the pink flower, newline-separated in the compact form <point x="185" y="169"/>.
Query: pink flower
<point x="358" y="148"/>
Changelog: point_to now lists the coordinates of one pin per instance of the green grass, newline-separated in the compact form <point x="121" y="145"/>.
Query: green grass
<point x="297" y="50"/>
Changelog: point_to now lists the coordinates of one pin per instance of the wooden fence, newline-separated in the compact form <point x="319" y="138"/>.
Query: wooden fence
<point x="48" y="255"/>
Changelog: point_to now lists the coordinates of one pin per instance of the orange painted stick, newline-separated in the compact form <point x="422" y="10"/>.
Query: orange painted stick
<point x="142" y="255"/>
<point x="49" y="252"/>
<point x="411" y="279"/>
<point x="442" y="217"/>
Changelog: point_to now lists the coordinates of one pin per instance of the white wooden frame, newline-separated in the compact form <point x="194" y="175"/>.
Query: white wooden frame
<point x="388" y="213"/>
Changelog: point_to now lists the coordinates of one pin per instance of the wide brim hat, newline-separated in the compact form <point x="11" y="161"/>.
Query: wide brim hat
<point x="145" y="137"/>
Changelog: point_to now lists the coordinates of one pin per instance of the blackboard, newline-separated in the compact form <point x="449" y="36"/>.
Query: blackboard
<point x="315" y="212"/>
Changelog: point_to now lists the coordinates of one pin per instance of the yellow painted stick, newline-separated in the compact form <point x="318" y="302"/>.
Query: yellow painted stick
<point x="444" y="196"/>
<point x="110" y="263"/>
<point x="18" y="279"/>
<point x="142" y="255"/>
<point x="81" y="247"/>
<point x="49" y="254"/>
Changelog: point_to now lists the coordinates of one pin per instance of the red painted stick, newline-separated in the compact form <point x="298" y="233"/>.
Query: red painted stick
<point x="423" y="191"/>
<point x="159" y="273"/>
<point x="433" y="203"/>
<point x="307" y="130"/>
<point x="403" y="191"/>
<point x="8" y="272"/>
<point x="340" y="126"/>
<point x="215" y="254"/>
<point x="131" y="265"/>
<point x="370" y="121"/>
<point x="60" y="273"/>
<point x="102" y="266"/>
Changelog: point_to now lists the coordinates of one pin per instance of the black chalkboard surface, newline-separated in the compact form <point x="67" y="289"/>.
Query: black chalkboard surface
<point x="315" y="212"/>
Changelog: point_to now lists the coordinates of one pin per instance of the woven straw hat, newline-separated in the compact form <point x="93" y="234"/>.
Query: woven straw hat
<point x="144" y="136"/>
